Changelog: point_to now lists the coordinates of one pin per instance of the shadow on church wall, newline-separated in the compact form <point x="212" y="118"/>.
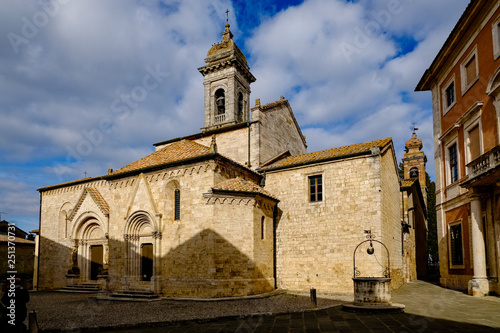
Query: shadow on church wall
<point x="206" y="265"/>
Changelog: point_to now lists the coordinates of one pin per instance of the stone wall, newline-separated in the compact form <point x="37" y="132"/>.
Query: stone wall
<point x="316" y="241"/>
<point x="391" y="232"/>
<point x="209" y="251"/>
<point x="278" y="130"/>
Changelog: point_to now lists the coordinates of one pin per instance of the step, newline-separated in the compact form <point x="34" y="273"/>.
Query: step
<point x="134" y="293"/>
<point x="82" y="287"/>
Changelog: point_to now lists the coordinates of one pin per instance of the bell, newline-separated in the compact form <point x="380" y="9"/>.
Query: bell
<point x="370" y="250"/>
<point x="220" y="102"/>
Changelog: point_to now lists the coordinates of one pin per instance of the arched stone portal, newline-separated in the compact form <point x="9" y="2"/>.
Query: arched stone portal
<point x="90" y="248"/>
<point x="142" y="242"/>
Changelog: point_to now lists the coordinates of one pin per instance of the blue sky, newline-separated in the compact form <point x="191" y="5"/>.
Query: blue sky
<point x="74" y="100"/>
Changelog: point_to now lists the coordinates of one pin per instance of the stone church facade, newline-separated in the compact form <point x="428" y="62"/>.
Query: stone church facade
<point x="240" y="208"/>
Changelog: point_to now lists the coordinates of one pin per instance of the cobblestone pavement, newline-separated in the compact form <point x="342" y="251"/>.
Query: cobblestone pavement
<point x="429" y="308"/>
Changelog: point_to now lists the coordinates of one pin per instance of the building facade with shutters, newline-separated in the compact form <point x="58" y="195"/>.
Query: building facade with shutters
<point x="240" y="208"/>
<point x="464" y="79"/>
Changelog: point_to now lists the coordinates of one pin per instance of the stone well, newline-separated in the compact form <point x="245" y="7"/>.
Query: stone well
<point x="372" y="294"/>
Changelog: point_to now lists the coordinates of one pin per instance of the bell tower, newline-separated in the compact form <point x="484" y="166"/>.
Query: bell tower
<point x="414" y="162"/>
<point x="227" y="84"/>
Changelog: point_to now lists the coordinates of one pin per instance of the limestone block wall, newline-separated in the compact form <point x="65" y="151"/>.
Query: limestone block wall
<point x="409" y="244"/>
<point x="316" y="241"/>
<point x="55" y="227"/>
<point x="278" y="131"/>
<point x="209" y="251"/>
<point x="226" y="257"/>
<point x="235" y="145"/>
<point x="391" y="232"/>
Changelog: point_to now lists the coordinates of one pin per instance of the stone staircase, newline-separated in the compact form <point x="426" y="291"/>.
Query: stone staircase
<point x="82" y="288"/>
<point x="134" y="294"/>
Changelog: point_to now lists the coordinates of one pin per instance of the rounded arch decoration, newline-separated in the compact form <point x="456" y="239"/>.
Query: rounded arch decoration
<point x="142" y="241"/>
<point x="220" y="101"/>
<point x="414" y="172"/>
<point x="241" y="106"/>
<point x="494" y="84"/>
<point x="90" y="249"/>
<point x="173" y="200"/>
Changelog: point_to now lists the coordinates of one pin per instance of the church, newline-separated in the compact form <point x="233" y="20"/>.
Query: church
<point x="240" y="208"/>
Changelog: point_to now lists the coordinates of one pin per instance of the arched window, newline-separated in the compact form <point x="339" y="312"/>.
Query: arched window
<point x="240" y="107"/>
<point x="177" y="214"/>
<point x="220" y="101"/>
<point x="263" y="227"/>
<point x="414" y="172"/>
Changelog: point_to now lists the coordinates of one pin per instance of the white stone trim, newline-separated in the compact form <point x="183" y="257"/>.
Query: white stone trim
<point x="463" y="71"/>
<point x="453" y="140"/>
<point x="495" y="31"/>
<point x="444" y="97"/>
<point x="470" y="124"/>
<point x="450" y="264"/>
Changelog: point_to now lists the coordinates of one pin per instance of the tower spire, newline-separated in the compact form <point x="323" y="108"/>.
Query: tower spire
<point x="227" y="83"/>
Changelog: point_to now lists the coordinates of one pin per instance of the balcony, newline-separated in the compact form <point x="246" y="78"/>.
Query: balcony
<point x="483" y="166"/>
<point x="220" y="118"/>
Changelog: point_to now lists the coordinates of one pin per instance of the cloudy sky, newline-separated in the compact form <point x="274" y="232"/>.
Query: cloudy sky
<point x="87" y="85"/>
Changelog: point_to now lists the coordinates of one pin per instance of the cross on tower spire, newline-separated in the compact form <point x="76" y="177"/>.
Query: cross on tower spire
<point x="413" y="128"/>
<point x="227" y="15"/>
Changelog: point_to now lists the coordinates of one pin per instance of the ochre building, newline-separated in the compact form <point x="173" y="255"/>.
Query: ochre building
<point x="464" y="79"/>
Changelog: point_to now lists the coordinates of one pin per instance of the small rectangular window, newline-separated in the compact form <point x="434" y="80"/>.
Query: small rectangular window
<point x="450" y="95"/>
<point x="316" y="188"/>
<point x="453" y="160"/>
<point x="177" y="214"/>
<point x="471" y="71"/>
<point x="474" y="144"/>
<point x="456" y="245"/>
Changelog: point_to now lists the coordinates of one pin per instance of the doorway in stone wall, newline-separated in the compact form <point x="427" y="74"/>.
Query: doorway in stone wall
<point x="146" y="261"/>
<point x="96" y="262"/>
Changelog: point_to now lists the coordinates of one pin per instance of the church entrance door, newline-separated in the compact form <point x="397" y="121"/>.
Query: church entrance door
<point x="96" y="255"/>
<point x="146" y="262"/>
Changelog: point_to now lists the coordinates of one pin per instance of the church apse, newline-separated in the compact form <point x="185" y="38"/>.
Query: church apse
<point x="208" y="265"/>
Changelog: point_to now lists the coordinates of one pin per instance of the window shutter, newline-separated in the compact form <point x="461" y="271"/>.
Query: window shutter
<point x="474" y="146"/>
<point x="470" y="69"/>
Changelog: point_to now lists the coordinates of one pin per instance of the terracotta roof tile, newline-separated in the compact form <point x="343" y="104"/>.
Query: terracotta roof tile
<point x="407" y="183"/>
<point x="5" y="238"/>
<point x="99" y="200"/>
<point x="174" y="152"/>
<point x="239" y="184"/>
<point x="328" y="154"/>
<point x="73" y="182"/>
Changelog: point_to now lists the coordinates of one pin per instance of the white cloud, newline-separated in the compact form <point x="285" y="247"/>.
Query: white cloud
<point x="69" y="80"/>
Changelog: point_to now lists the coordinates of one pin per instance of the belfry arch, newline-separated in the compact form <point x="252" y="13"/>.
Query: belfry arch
<point x="142" y="242"/>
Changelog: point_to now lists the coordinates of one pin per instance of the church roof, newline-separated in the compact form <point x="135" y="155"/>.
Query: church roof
<point x="329" y="154"/>
<point x="17" y="240"/>
<point x="177" y="151"/>
<point x="240" y="185"/>
<point x="407" y="183"/>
